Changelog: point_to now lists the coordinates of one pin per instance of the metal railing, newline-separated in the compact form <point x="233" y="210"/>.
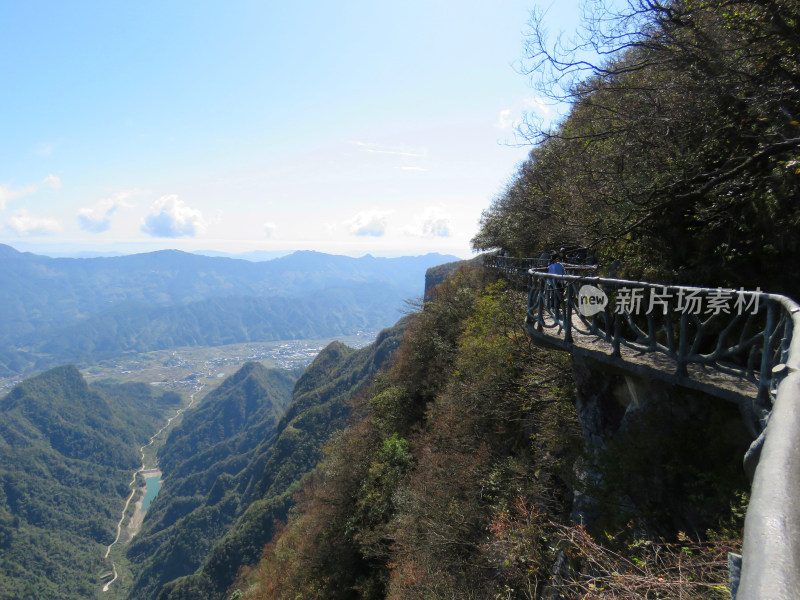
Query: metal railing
<point x="737" y="332"/>
<point x="745" y="334"/>
<point x="516" y="269"/>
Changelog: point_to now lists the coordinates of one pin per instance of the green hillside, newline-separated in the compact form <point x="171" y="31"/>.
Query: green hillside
<point x="67" y="451"/>
<point x="228" y="477"/>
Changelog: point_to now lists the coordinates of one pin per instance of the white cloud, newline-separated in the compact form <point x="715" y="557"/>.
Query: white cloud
<point x="412" y="169"/>
<point x="376" y="149"/>
<point x="269" y="229"/>
<point x="171" y="217"/>
<point x="97" y="218"/>
<point x="44" y="149"/>
<point x="540" y="106"/>
<point x="433" y="222"/>
<point x="370" y="222"/>
<point x="7" y="194"/>
<point x="504" y="120"/>
<point x="53" y="181"/>
<point x="25" y="223"/>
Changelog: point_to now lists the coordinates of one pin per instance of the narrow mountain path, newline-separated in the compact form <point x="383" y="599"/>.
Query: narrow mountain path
<point x="141" y="469"/>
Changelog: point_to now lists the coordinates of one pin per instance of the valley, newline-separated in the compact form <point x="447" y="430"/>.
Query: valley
<point x="195" y="372"/>
<point x="188" y="369"/>
<point x="148" y="471"/>
<point x="191" y="373"/>
<point x="100" y="358"/>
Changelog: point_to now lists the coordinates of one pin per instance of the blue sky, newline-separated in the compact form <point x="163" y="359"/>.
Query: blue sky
<point x="343" y="127"/>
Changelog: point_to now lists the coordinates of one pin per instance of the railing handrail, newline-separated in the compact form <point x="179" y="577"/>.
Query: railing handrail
<point x="791" y="308"/>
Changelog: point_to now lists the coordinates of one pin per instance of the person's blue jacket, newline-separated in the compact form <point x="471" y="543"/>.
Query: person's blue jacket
<point x="556" y="268"/>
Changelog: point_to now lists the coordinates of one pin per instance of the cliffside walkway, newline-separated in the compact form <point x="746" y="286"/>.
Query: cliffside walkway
<point x="734" y="344"/>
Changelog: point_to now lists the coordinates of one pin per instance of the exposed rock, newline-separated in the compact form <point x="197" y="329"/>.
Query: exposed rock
<point x="664" y="457"/>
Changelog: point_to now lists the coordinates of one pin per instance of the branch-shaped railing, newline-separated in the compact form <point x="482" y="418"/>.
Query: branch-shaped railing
<point x="737" y="332"/>
<point x="744" y="334"/>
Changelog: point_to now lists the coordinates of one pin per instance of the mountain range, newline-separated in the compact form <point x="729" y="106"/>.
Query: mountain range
<point x="59" y="310"/>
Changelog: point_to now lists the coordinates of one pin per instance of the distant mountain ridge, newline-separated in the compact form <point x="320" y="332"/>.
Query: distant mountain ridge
<point x="56" y="310"/>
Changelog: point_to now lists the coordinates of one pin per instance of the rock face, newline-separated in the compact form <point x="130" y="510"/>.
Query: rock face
<point x="660" y="456"/>
<point x="436" y="275"/>
<point x="600" y="412"/>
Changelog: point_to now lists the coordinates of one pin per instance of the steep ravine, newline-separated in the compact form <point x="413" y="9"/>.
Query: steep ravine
<point x="140" y="471"/>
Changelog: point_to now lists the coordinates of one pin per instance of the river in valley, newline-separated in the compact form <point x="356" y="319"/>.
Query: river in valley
<point x="152" y="477"/>
<point x="152" y="486"/>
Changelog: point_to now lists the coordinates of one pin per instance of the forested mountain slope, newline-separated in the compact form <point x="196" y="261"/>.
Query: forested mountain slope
<point x="212" y="444"/>
<point x="465" y="474"/>
<point x="680" y="154"/>
<point x="67" y="451"/>
<point x="219" y="321"/>
<point x="230" y="473"/>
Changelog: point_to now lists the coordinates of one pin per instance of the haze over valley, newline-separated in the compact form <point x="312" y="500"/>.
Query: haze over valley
<point x="62" y="310"/>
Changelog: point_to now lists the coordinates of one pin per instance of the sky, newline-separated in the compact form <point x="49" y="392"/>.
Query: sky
<point x="342" y="127"/>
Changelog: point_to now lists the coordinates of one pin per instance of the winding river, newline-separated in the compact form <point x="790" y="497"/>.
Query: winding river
<point x="144" y="471"/>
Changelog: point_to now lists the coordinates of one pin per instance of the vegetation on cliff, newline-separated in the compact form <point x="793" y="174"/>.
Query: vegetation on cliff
<point x="680" y="154"/>
<point x="458" y="474"/>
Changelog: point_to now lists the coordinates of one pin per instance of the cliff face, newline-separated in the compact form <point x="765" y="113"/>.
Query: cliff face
<point x="664" y="456"/>
<point x="470" y="421"/>
<point x="436" y="275"/>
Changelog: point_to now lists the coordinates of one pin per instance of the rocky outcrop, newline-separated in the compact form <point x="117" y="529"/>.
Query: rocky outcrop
<point x="436" y="275"/>
<point x="661" y="456"/>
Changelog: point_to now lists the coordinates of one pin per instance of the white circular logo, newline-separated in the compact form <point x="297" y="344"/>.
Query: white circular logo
<point x="591" y="300"/>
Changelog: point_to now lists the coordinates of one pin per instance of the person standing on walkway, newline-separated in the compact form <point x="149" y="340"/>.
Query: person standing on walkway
<point x="556" y="268"/>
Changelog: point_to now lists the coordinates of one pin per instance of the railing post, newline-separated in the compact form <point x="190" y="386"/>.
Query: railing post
<point x="683" y="343"/>
<point x="542" y="300"/>
<point x="568" y="315"/>
<point x="529" y="312"/>
<point x="763" y="398"/>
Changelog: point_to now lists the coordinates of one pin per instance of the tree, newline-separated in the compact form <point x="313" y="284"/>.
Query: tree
<point x="687" y="125"/>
